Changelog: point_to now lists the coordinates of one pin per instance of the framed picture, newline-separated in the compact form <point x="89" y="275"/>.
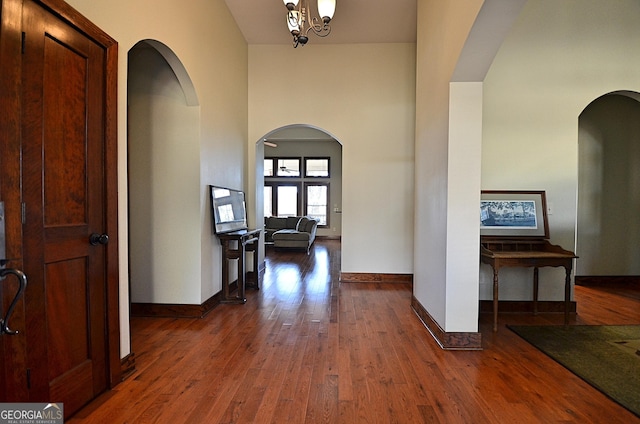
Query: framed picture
<point x="505" y="213"/>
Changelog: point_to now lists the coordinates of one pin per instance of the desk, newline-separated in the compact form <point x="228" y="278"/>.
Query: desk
<point x="234" y="247"/>
<point x="526" y="253"/>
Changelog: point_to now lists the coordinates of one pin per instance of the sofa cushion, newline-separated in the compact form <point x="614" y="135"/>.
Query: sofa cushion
<point x="275" y="222"/>
<point x="290" y="235"/>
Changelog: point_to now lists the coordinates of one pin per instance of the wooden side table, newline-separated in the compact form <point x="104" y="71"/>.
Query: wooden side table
<point x="531" y="254"/>
<point x="234" y="247"/>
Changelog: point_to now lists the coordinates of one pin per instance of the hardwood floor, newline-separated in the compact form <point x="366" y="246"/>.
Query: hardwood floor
<point x="306" y="349"/>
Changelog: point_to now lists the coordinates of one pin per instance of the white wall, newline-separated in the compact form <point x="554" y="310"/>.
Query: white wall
<point x="205" y="38"/>
<point x="558" y="58"/>
<point x="364" y="96"/>
<point x="463" y="181"/>
<point x="445" y="276"/>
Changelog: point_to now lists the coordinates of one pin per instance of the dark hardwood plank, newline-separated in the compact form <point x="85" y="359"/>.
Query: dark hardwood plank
<point x="306" y="349"/>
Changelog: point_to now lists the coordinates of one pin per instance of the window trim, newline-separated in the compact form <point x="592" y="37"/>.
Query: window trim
<point x="276" y="168"/>
<point x="328" y="205"/>
<point x="273" y="168"/>
<point x="274" y="189"/>
<point x="301" y="181"/>
<point x="307" y="158"/>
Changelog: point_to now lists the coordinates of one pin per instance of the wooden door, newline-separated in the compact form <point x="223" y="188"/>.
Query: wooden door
<point x="63" y="165"/>
<point x="12" y="348"/>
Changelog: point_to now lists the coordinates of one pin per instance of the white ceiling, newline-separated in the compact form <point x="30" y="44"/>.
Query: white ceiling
<point x="355" y="21"/>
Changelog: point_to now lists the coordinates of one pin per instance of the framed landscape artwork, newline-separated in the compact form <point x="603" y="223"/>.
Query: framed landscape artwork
<point x="505" y="213"/>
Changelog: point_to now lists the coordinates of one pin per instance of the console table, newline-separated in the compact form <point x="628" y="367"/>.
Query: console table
<point x="532" y="253"/>
<point x="234" y="247"/>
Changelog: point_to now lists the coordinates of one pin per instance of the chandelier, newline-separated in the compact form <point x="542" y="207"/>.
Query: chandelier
<point x="299" y="24"/>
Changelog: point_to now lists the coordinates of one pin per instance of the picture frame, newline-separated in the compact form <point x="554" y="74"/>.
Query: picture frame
<point x="513" y="214"/>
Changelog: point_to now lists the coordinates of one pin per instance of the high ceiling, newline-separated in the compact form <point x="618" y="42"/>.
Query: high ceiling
<point x="355" y="21"/>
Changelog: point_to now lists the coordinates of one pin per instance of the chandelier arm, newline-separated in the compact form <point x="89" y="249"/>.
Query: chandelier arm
<point x="319" y="29"/>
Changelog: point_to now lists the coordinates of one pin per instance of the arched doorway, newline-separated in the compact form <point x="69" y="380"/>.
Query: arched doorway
<point x="608" y="231"/>
<point x="163" y="178"/>
<point x="302" y="143"/>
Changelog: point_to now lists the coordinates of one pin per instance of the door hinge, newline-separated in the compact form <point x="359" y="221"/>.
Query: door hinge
<point x="28" y="378"/>
<point x="24" y="41"/>
<point x="24" y="213"/>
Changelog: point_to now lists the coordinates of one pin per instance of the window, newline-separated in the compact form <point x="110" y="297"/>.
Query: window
<point x="268" y="167"/>
<point x="281" y="199"/>
<point x="282" y="167"/>
<point x="316" y="167"/>
<point x="295" y="186"/>
<point x="287" y="200"/>
<point x="268" y="200"/>
<point x="317" y="202"/>
<point x="288" y="168"/>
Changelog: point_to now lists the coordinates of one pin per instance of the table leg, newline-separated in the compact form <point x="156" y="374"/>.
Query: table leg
<point x="495" y="299"/>
<point x="567" y="294"/>
<point x="242" y="275"/>
<point x="228" y="255"/>
<point x="256" y="270"/>
<point x="254" y="282"/>
<point x="225" y="271"/>
<point x="535" y="290"/>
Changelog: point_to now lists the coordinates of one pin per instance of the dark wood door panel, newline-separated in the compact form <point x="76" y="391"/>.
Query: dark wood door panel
<point x="67" y="309"/>
<point x="75" y="387"/>
<point x="63" y="154"/>
<point x="65" y="158"/>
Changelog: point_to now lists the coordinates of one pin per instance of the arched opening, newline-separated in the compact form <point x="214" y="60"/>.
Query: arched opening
<point x="163" y="178"/>
<point x="608" y="231"/>
<point x="303" y="144"/>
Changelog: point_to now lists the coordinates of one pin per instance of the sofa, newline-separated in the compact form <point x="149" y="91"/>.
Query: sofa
<point x="290" y="231"/>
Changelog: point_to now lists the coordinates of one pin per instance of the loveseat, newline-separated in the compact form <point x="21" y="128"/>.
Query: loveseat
<point x="291" y="231"/>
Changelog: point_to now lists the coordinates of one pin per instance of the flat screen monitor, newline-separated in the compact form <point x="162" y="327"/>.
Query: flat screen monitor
<point x="229" y="210"/>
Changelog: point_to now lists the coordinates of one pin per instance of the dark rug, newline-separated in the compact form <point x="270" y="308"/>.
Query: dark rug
<point x="605" y="356"/>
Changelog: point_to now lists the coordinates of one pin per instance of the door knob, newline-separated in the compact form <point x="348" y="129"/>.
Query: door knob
<point x="96" y="239"/>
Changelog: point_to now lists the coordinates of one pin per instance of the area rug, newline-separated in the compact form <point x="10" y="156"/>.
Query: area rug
<point x="607" y="357"/>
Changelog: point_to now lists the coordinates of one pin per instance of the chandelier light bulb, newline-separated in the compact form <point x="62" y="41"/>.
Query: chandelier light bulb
<point x="326" y="9"/>
<point x="293" y="22"/>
